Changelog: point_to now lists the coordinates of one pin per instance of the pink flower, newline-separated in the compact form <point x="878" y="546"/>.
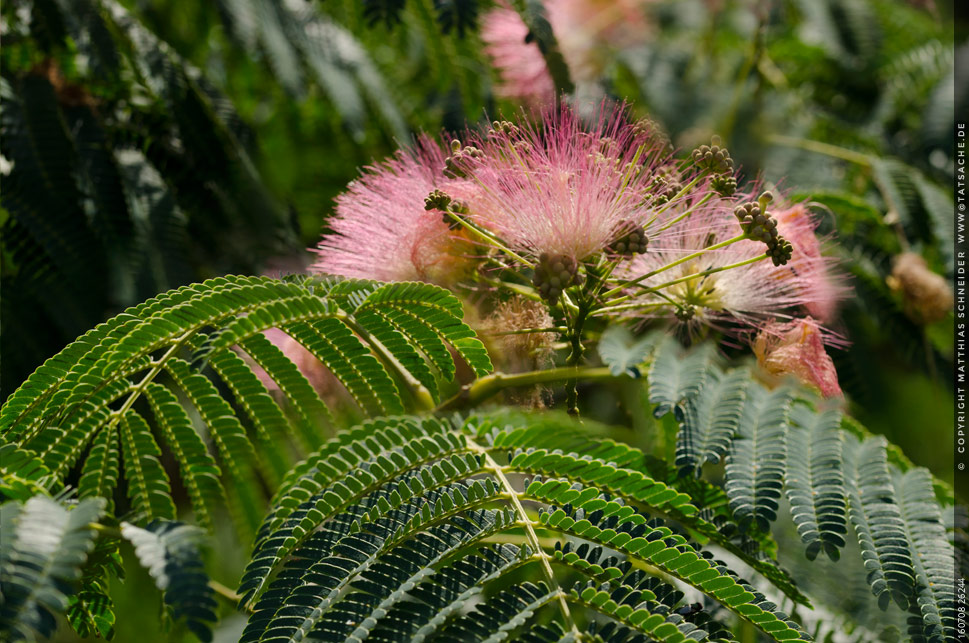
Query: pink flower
<point x="797" y="348"/>
<point x="520" y="64"/>
<point x="797" y="226"/>
<point x="565" y="189"/>
<point x="717" y="295"/>
<point x="586" y="31"/>
<point x="381" y="230"/>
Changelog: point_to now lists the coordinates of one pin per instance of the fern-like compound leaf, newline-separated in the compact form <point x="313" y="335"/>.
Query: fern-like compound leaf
<point x="396" y="528"/>
<point x="878" y="523"/>
<point x="189" y="372"/>
<point x="676" y="375"/>
<point x="711" y="419"/>
<point x="816" y="481"/>
<point x="170" y="552"/>
<point x="934" y="608"/>
<point x="758" y="457"/>
<point x="42" y="549"/>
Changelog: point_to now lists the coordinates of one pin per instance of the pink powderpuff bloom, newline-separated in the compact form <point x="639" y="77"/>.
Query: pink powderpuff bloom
<point x="585" y="31"/>
<point x="564" y="188"/>
<point x="797" y="348"/>
<point x="520" y="64"/>
<point x="381" y="230"/>
<point x="797" y="225"/>
<point x="745" y="295"/>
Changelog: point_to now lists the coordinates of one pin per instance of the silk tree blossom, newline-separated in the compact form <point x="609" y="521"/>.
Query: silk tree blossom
<point x="728" y="286"/>
<point x="565" y="189"/>
<point x="586" y="30"/>
<point x="520" y="63"/>
<point x="797" y="348"/>
<point x="797" y="225"/>
<point x="382" y="231"/>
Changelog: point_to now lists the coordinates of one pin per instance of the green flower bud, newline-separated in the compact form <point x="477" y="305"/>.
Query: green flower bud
<point x="713" y="157"/>
<point x="632" y="243"/>
<point x="553" y="274"/>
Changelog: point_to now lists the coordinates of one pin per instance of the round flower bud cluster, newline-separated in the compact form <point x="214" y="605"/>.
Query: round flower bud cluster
<point x="633" y="242"/>
<point x="713" y="157"/>
<point x="503" y="127"/>
<point x="450" y="209"/>
<point x="666" y="185"/>
<point x="685" y="313"/>
<point x="456" y="164"/>
<point x="553" y="274"/>
<point x="757" y="223"/>
<point x="437" y="200"/>
<point x="654" y="133"/>
<point x="724" y="184"/>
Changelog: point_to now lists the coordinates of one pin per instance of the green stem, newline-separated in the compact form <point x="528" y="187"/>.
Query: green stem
<point x="226" y="593"/>
<point x="690" y="257"/>
<point x="688" y="212"/>
<point x="488" y="238"/>
<point x="675" y="198"/>
<point x="575" y="357"/>
<point x="485" y="387"/>
<point x="673" y="282"/>
<point x="526" y="522"/>
<point x="423" y="399"/>
<point x="822" y="148"/>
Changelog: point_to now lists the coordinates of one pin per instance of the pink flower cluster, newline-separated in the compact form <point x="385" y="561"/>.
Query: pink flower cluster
<point x="564" y="193"/>
<point x="381" y="230"/>
<point x="563" y="188"/>
<point x="585" y="30"/>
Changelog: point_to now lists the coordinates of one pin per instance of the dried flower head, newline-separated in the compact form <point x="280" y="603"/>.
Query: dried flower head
<point x="515" y="351"/>
<point x="382" y="230"/>
<point x="797" y="348"/>
<point x="927" y="295"/>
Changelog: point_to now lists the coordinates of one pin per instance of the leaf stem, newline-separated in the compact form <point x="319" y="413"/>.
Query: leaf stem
<point x="422" y="397"/>
<point x="526" y="522"/>
<point x="822" y="148"/>
<point x="485" y="387"/>
<point x="226" y="593"/>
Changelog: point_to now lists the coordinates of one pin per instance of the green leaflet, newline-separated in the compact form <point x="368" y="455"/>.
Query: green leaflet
<point x="389" y="529"/>
<point x="143" y="382"/>
<point x="170" y="552"/>
<point x="44" y="546"/>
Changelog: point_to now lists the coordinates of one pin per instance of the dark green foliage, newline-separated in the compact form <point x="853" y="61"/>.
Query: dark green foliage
<point x="44" y="547"/>
<point x="385" y="532"/>
<point x="170" y="552"/>
<point x="839" y="472"/>
<point x="128" y="177"/>
<point x="301" y="44"/>
<point x="87" y="406"/>
<point x="56" y="557"/>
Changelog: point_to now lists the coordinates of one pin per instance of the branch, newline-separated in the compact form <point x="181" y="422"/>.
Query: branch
<point x="485" y="387"/>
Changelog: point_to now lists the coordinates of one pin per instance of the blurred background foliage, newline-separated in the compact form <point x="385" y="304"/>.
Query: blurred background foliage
<point x="151" y="143"/>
